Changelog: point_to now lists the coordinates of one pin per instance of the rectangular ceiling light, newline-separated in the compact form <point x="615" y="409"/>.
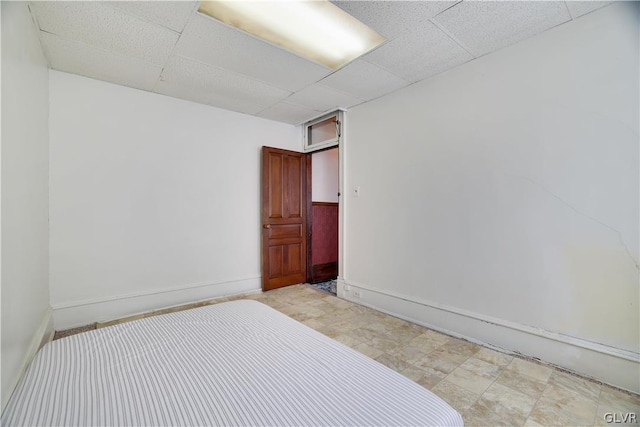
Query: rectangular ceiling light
<point x="316" y="30"/>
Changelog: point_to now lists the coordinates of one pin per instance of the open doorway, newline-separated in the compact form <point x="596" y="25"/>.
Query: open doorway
<point x="323" y="219"/>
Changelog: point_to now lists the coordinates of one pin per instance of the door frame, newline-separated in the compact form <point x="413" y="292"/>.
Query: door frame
<point x="308" y="210"/>
<point x="309" y="216"/>
<point x="309" y="207"/>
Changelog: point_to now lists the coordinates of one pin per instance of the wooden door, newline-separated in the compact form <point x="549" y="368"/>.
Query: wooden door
<point x="284" y="194"/>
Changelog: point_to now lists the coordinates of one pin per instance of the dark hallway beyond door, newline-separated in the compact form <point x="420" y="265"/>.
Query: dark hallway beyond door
<point x="324" y="216"/>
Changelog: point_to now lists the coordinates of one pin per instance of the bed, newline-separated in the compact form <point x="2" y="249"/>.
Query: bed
<point x="235" y="363"/>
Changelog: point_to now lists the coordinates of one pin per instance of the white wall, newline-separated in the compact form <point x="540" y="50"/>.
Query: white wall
<point x="325" y="176"/>
<point x="25" y="200"/>
<point x="154" y="201"/>
<point x="505" y="192"/>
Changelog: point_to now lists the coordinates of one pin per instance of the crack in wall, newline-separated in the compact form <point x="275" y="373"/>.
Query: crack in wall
<point x="573" y="208"/>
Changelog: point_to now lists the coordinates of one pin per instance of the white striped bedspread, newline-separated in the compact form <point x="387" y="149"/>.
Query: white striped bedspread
<point x="232" y="364"/>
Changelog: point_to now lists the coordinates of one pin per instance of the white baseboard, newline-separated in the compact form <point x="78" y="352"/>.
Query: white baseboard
<point x="613" y="366"/>
<point x="43" y="334"/>
<point x="80" y="313"/>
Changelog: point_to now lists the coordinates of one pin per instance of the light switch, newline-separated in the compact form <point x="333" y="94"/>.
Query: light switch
<point x="356" y="192"/>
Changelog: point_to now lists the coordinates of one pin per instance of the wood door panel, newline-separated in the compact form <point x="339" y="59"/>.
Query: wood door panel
<point x="276" y="261"/>
<point x="284" y="242"/>
<point x="293" y="172"/>
<point x="285" y="231"/>
<point x="293" y="259"/>
<point x="275" y="206"/>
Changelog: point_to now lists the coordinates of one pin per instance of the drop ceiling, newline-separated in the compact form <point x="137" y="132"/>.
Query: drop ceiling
<point x="168" y="48"/>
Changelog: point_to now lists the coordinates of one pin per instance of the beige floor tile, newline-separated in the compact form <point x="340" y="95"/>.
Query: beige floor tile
<point x="474" y="419"/>
<point x="618" y="419"/>
<point x="429" y="340"/>
<point x="458" y="397"/>
<point x="482" y="368"/>
<point x="511" y="400"/>
<point x="444" y="354"/>
<point x="403" y="335"/>
<point x="322" y="304"/>
<point x="289" y="310"/>
<point x="548" y="412"/>
<point x="329" y="331"/>
<point x="566" y="406"/>
<point x="327" y="320"/>
<point x="393" y="322"/>
<point x="413" y="373"/>
<point x="360" y="309"/>
<point x="425" y="347"/>
<point x="431" y="379"/>
<point x="340" y="303"/>
<point x="408" y="354"/>
<point x="461" y="347"/>
<point x="392" y="362"/>
<point x="385" y="345"/>
<point x="617" y="403"/>
<point x="344" y="324"/>
<point x="486" y="413"/>
<point x="493" y="357"/>
<point x="581" y="405"/>
<point x="469" y="380"/>
<point x="364" y="335"/>
<point x="407" y="331"/>
<point x="522" y="383"/>
<point x="301" y="317"/>
<point x="440" y="363"/>
<point x="367" y="350"/>
<point x="575" y="383"/>
<point x="309" y="310"/>
<point x="531" y="423"/>
<point x="378" y="327"/>
<point x="530" y="369"/>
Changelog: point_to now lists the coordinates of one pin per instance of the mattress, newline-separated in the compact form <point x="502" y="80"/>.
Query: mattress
<point x="235" y="363"/>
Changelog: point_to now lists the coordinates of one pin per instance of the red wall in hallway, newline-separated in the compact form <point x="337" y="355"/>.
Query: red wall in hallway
<point x="324" y="238"/>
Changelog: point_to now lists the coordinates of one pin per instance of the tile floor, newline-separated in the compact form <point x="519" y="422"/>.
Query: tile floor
<point x="487" y="387"/>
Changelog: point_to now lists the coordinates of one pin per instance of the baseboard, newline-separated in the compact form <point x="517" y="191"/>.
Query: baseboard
<point x="610" y="365"/>
<point x="79" y="313"/>
<point x="43" y="334"/>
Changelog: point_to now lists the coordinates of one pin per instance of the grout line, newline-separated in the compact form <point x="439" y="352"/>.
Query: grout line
<point x="453" y="38"/>
<point x="538" y="399"/>
<point x="595" y="416"/>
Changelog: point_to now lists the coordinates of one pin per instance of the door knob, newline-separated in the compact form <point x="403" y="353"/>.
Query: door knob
<point x="266" y="226"/>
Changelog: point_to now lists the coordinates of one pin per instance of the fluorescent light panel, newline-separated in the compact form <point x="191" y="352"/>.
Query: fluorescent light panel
<point x="314" y="29"/>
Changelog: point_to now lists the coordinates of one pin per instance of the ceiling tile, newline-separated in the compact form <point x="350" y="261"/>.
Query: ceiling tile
<point x="289" y="113"/>
<point x="485" y="26"/>
<point x="129" y="43"/>
<point x="188" y="79"/>
<point x="97" y="24"/>
<point x="364" y="80"/>
<point x="579" y="8"/>
<point x="207" y="40"/>
<point x="170" y="14"/>
<point x="419" y="53"/>
<point x="323" y="98"/>
<point x="390" y="18"/>
<point x="77" y="58"/>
